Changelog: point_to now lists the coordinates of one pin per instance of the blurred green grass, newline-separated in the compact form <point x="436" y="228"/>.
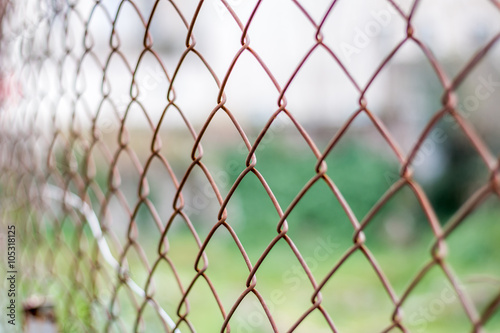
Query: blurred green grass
<point x="399" y="238"/>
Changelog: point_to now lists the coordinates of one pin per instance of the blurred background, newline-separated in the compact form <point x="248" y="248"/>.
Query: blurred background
<point x="86" y="71"/>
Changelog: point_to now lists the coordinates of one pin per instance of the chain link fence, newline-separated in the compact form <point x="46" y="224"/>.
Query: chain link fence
<point x="136" y="135"/>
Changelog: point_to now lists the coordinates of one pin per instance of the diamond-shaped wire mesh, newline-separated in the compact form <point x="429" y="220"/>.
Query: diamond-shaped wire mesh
<point x="101" y="131"/>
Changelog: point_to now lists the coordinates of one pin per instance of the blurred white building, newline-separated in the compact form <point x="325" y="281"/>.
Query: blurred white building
<point x="360" y="33"/>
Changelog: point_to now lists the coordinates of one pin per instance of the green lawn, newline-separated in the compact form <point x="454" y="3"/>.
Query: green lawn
<point x="399" y="238"/>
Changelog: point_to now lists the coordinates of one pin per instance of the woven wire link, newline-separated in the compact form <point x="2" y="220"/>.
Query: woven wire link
<point x="56" y="136"/>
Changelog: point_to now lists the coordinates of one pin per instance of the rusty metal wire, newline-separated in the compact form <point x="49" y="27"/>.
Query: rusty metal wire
<point x="54" y="144"/>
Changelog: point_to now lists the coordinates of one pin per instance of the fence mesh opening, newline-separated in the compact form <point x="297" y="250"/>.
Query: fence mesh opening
<point x="251" y="166"/>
